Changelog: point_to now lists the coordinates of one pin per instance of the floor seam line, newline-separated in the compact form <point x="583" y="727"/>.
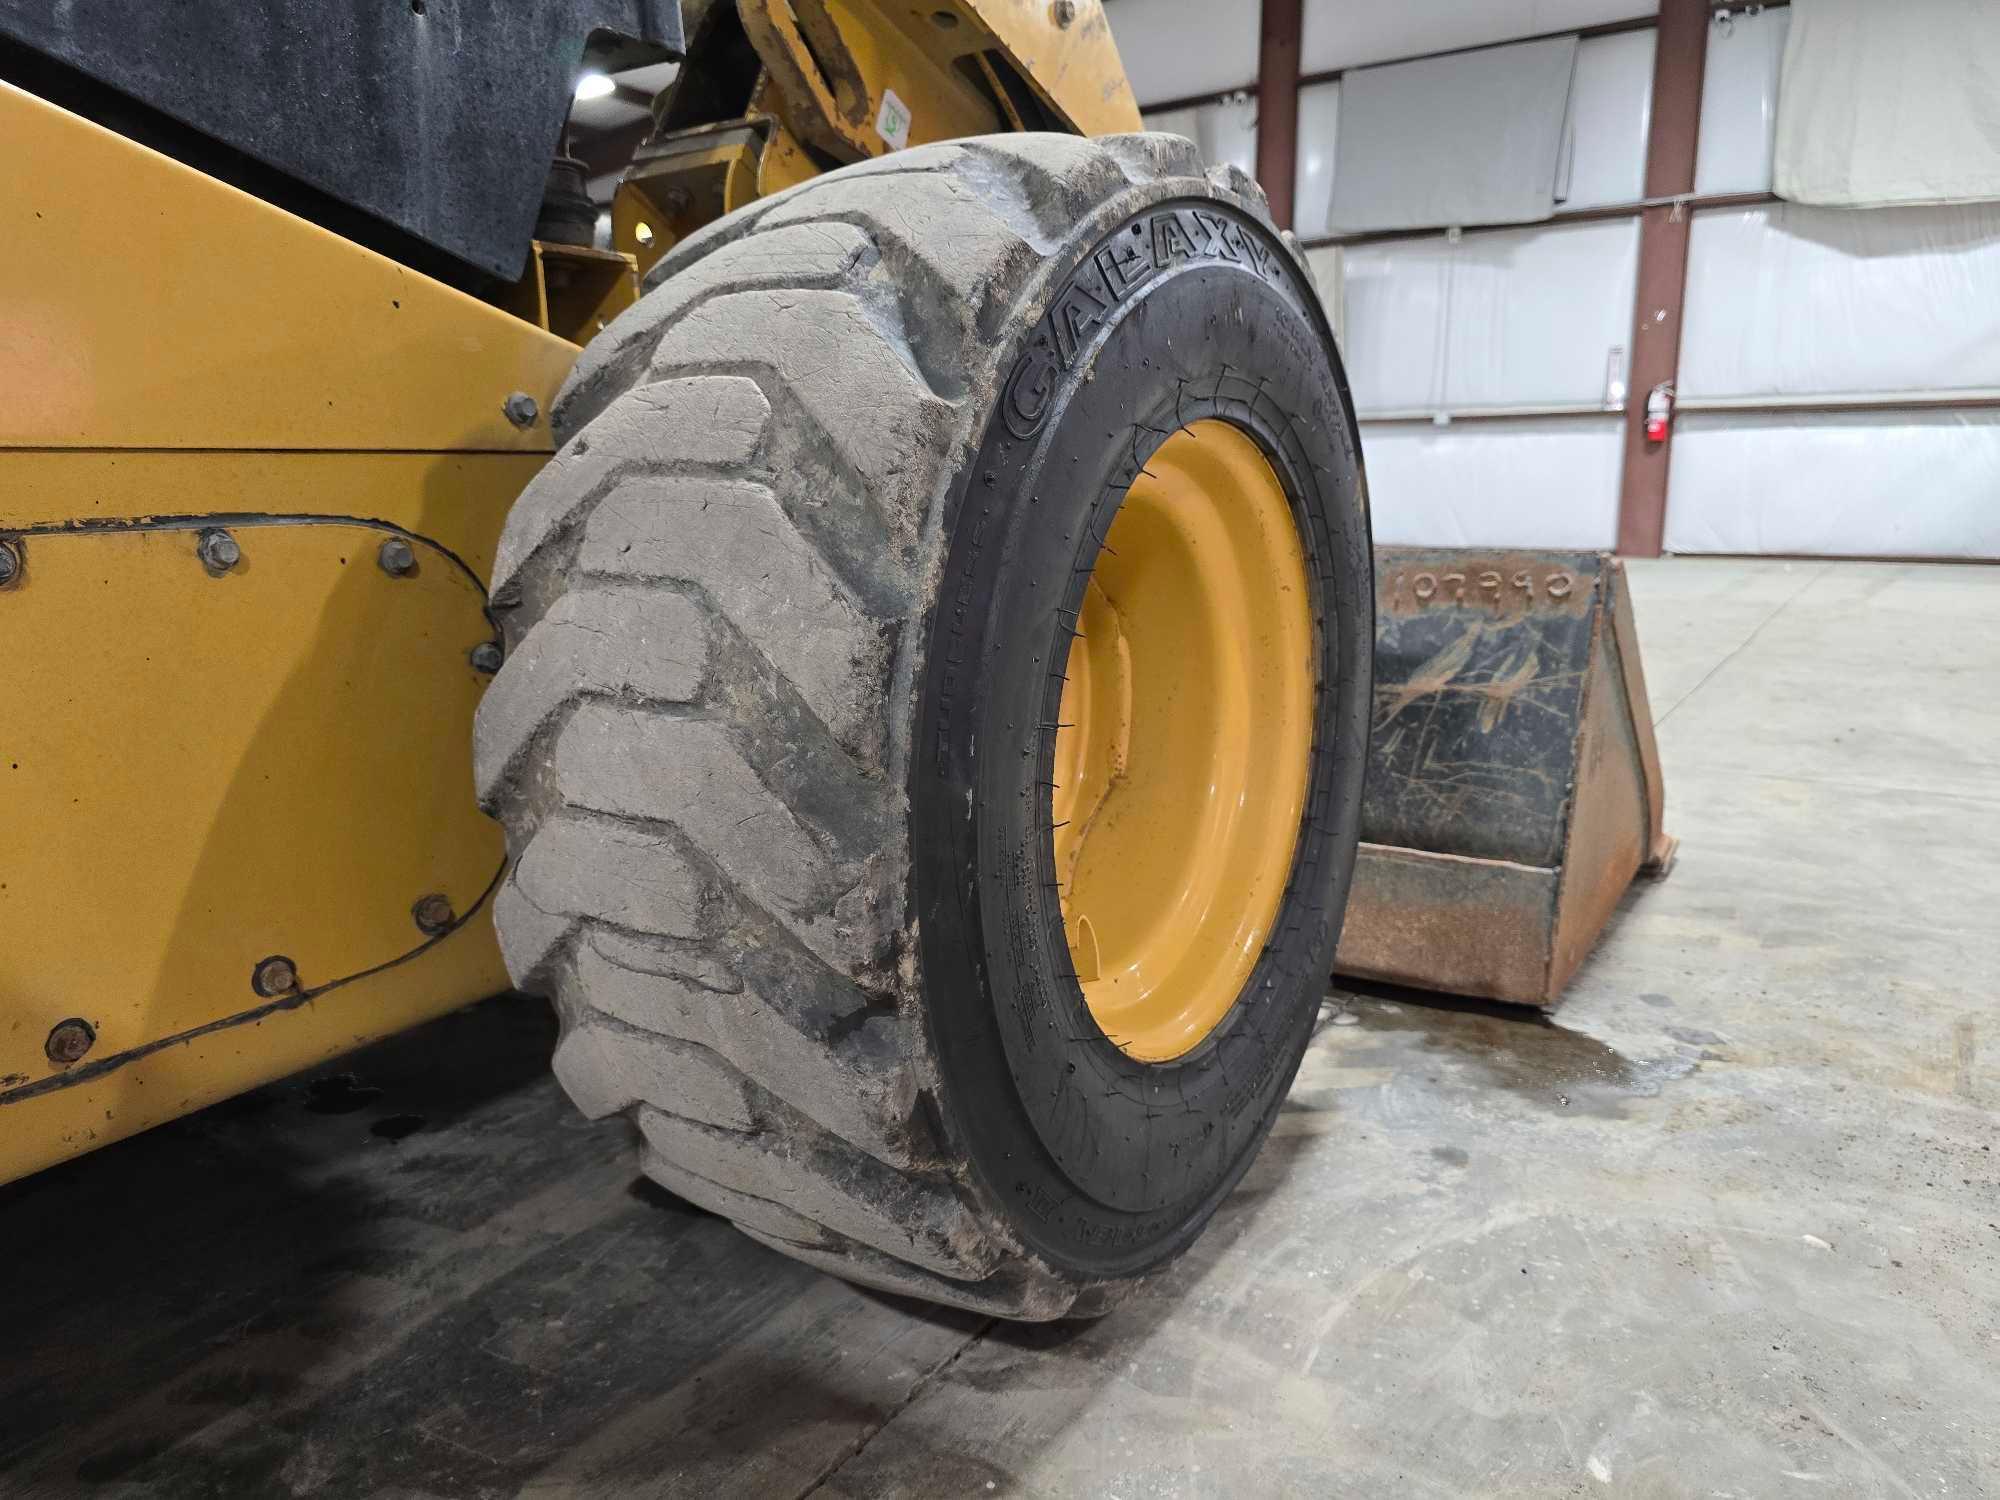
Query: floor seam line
<point x="917" y="1387"/>
<point x="1742" y="646"/>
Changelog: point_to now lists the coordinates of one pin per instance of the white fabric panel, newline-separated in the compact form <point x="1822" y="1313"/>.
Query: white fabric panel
<point x="1176" y="49"/>
<point x="1739" y="102"/>
<point x="1319" y="128"/>
<point x="1226" y="131"/>
<point x="1516" y="317"/>
<point x="1788" y="300"/>
<point x="1610" y="111"/>
<point x="1395" y="308"/>
<point x="1472" y="138"/>
<point x="1535" y="314"/>
<point x="1329" y="268"/>
<point x="1868" y="484"/>
<point x="1883" y="104"/>
<point x="1342" y="34"/>
<point x="1551" y="482"/>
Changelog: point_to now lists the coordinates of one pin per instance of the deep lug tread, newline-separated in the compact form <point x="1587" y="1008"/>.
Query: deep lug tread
<point x="733" y="541"/>
<point x="713" y="422"/>
<point x="827" y="1054"/>
<point x="613" y="361"/>
<point x="608" y="1067"/>
<point x="584" y="646"/>
<point x="843" y="1190"/>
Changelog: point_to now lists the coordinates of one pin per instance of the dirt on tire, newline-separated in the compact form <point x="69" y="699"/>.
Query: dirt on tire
<point x="730" y="743"/>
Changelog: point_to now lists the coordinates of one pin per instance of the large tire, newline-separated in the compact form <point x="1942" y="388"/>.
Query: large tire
<point x="767" y="743"/>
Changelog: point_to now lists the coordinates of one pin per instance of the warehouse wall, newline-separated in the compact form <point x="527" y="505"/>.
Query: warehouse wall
<point x="1839" y="369"/>
<point x="1894" y="312"/>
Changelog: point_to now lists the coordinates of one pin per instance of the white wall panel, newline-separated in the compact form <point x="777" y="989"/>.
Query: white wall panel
<point x="1790" y="300"/>
<point x="1176" y="49"/>
<point x="1610" y="111"/>
<point x="1545" y="483"/>
<point x="1739" y="102"/>
<point x="1895" y="484"/>
<point x="1516" y="317"/>
<point x="1395" y="306"/>
<point x="1319" y="127"/>
<point x="1886" y="105"/>
<point x="1225" y="131"/>
<point x="1536" y="313"/>
<point x="1343" y="34"/>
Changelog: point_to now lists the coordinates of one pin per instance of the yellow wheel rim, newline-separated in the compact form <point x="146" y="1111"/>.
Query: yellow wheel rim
<point x="1184" y="743"/>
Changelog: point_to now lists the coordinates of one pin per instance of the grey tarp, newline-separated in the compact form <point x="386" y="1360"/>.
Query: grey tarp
<point x="1467" y="138"/>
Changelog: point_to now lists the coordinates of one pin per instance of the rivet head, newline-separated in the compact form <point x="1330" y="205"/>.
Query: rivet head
<point x="433" y="913"/>
<point x="218" y="550"/>
<point x="10" y="563"/>
<point x="521" y="409"/>
<point x="69" y="1040"/>
<point x="486" y="657"/>
<point x="1062" y="12"/>
<point x="397" y="557"/>
<point x="273" y="976"/>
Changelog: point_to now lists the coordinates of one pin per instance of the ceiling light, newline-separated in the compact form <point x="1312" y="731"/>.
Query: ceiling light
<point x="595" y="86"/>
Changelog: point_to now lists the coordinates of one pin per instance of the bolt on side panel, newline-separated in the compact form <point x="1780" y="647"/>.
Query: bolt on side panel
<point x="230" y="790"/>
<point x="251" y="480"/>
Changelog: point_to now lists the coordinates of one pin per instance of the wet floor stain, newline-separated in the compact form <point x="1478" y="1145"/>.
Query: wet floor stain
<point x="1496" y="1046"/>
<point x="339" y="1094"/>
<point x="397" y="1127"/>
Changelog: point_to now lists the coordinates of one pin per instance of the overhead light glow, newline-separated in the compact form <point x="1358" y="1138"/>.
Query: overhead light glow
<point x="594" y="86"/>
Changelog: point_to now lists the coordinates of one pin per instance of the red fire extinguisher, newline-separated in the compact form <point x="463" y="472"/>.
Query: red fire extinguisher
<point x="1659" y="412"/>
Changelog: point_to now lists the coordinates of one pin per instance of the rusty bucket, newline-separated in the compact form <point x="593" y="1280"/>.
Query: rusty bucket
<point x="1513" y="786"/>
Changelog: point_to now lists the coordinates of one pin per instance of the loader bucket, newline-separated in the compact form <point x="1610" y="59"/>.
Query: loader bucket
<point x="1513" y="786"/>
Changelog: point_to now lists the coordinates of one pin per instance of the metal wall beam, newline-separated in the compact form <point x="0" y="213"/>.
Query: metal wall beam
<point x="1278" y="104"/>
<point x="1663" y="247"/>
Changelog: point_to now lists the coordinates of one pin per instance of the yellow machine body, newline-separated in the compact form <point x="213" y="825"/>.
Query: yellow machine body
<point x="844" y="80"/>
<point x="252" y="477"/>
<point x="210" y="768"/>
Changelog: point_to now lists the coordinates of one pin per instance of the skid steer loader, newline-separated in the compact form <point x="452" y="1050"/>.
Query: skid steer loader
<point x="917" y="653"/>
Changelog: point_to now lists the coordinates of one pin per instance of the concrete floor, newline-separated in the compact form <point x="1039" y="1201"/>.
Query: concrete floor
<point x="1729" y="1227"/>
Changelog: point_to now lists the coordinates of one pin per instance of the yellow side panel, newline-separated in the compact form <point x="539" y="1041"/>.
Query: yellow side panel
<point x="208" y="769"/>
<point x="1076" y="67"/>
<point x="148" y="305"/>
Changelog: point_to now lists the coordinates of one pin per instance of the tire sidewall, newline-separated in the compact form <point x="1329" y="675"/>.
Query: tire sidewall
<point x="1191" y="308"/>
